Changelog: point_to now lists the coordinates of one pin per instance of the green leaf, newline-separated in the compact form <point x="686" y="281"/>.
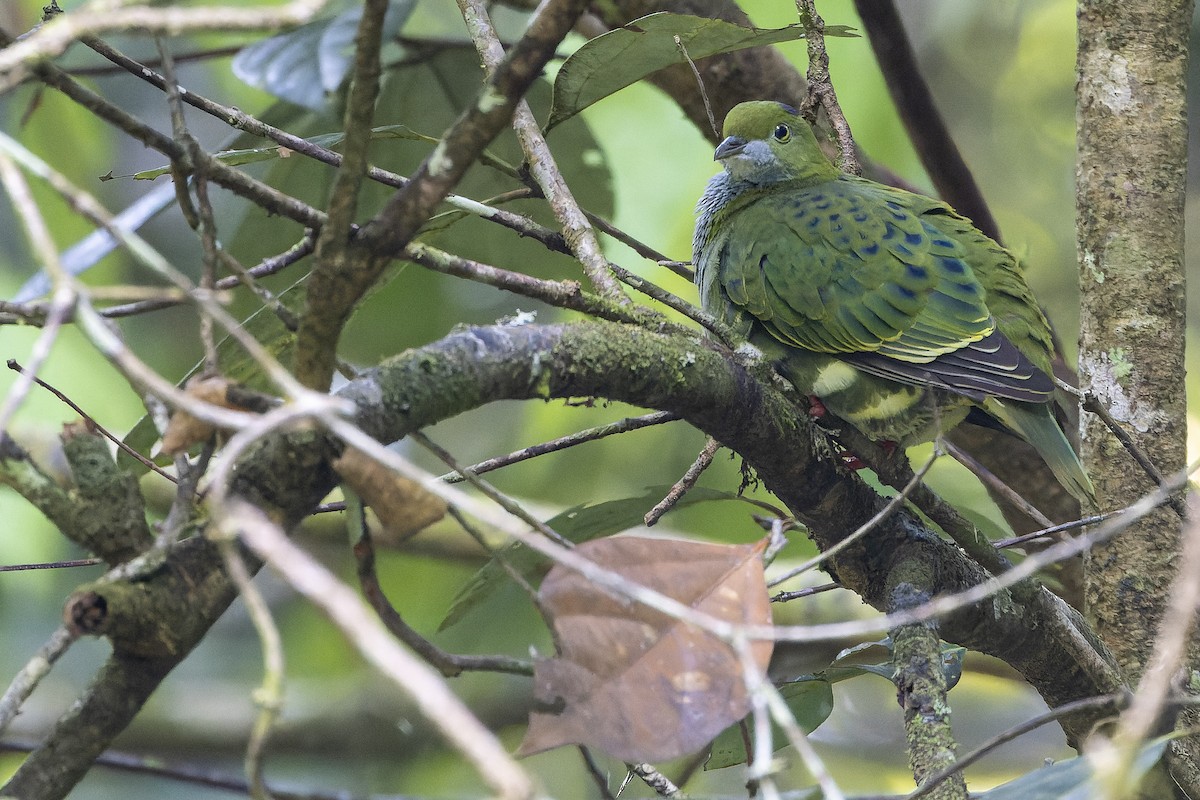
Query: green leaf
<point x="810" y="701"/>
<point x="622" y="57"/>
<point x="952" y="663"/>
<point x="1071" y="779"/>
<point x="579" y="524"/>
<point x="307" y="65"/>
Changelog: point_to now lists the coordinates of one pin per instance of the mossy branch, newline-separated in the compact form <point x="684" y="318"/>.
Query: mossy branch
<point x="739" y="404"/>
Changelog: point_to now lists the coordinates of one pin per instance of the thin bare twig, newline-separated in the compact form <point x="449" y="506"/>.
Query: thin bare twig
<point x="684" y="484"/>
<point x="500" y="558"/>
<point x="268" y="266"/>
<point x="563" y="442"/>
<point x="179" y="58"/>
<point x="491" y="492"/>
<point x="74" y="562"/>
<point x="13" y="364"/>
<point x="1065" y="710"/>
<point x="866" y="527"/>
<point x="269" y="696"/>
<point x="146" y="765"/>
<point x="63" y="302"/>
<point x="1092" y="403"/>
<point x="641" y="248"/>
<point x="540" y="161"/>
<point x="759" y="686"/>
<point x="449" y="664"/>
<point x="722" y="331"/>
<point x="784" y="597"/>
<point x="820" y="87"/>
<point x="597" y="773"/>
<point x="1066" y="526"/>
<point x="30" y="675"/>
<point x="201" y="218"/>
<point x="564" y="294"/>
<point x="712" y="120"/>
<point x="991" y="481"/>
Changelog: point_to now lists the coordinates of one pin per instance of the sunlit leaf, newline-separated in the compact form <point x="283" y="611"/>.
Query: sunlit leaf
<point x="622" y="57"/>
<point x="635" y="682"/>
<point x="307" y="65"/>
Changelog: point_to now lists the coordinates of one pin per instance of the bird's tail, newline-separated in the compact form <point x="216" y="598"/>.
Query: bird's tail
<point x="1036" y="425"/>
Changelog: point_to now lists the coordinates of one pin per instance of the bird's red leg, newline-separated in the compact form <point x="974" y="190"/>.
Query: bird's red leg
<point x="852" y="461"/>
<point x="816" y="409"/>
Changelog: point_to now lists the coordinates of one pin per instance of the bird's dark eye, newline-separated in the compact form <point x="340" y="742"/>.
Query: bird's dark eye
<point x="781" y="133"/>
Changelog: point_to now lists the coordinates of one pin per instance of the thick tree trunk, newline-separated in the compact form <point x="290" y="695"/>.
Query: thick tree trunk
<point x="1131" y="184"/>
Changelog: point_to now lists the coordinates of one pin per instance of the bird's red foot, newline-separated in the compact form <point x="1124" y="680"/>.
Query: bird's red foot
<point x="816" y="409"/>
<point x="852" y="461"/>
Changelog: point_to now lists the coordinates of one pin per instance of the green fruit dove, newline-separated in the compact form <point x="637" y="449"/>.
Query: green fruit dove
<point x="888" y="308"/>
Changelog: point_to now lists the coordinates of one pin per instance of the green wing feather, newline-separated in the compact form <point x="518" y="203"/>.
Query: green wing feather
<point x="881" y="278"/>
<point x="1036" y="425"/>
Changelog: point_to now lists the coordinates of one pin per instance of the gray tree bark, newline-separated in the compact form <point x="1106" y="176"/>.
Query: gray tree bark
<point x="1131" y="185"/>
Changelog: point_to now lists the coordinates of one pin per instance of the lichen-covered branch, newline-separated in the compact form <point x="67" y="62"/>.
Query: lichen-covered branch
<point x="102" y="512"/>
<point x="194" y="592"/>
<point x="921" y="686"/>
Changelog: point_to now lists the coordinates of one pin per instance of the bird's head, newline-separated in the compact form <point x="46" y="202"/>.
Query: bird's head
<point x="768" y="142"/>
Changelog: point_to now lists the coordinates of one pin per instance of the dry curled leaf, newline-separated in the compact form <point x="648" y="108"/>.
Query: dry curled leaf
<point x="184" y="430"/>
<point x="632" y="681"/>
<point x="402" y="505"/>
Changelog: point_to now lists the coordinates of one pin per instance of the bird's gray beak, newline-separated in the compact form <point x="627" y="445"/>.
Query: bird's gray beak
<point x="730" y="147"/>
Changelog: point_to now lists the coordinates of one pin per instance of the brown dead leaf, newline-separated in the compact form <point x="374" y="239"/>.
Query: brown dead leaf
<point x="637" y="683"/>
<point x="184" y="430"/>
<point x="402" y="505"/>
